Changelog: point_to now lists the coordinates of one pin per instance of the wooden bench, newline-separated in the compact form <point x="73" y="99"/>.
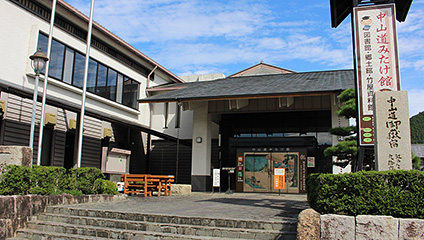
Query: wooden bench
<point x="147" y="183"/>
<point x="162" y="182"/>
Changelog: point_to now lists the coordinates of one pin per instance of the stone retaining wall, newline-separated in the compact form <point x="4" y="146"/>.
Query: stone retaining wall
<point x="312" y="225"/>
<point x="15" y="155"/>
<point x="17" y="210"/>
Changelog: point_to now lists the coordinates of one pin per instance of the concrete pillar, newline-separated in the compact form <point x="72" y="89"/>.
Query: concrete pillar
<point x="201" y="147"/>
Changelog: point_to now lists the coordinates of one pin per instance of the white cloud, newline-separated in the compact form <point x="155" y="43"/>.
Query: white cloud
<point x="153" y="21"/>
<point x="411" y="38"/>
<point x="195" y="56"/>
<point x="274" y="43"/>
<point x="342" y="35"/>
<point x="194" y="36"/>
<point x="295" y="24"/>
<point x="416" y="100"/>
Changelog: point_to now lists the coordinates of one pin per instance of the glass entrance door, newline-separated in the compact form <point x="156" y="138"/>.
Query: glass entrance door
<point x="256" y="172"/>
<point x="259" y="171"/>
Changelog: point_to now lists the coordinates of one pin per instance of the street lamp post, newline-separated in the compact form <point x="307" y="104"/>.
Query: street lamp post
<point x="38" y="60"/>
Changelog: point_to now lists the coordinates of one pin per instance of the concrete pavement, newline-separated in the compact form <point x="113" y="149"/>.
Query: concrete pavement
<point x="246" y="206"/>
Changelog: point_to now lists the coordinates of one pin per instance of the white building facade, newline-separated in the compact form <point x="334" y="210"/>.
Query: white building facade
<point x="141" y="118"/>
<point x="118" y="75"/>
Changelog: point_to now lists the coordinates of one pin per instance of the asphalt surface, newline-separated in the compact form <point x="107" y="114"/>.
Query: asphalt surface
<point x="247" y="206"/>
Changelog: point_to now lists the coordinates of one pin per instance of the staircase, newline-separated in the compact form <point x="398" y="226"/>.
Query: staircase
<point x="71" y="223"/>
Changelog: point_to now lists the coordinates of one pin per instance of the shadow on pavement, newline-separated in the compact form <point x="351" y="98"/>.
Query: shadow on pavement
<point x="285" y="208"/>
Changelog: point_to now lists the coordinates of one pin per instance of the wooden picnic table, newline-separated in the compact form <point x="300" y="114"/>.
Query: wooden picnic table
<point x="147" y="183"/>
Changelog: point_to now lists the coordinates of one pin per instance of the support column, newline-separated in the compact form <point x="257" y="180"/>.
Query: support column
<point x="201" y="148"/>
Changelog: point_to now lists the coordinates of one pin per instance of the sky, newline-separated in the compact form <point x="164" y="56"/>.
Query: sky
<point x="216" y="36"/>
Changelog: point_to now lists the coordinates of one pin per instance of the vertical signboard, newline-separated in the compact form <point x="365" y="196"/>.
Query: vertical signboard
<point x="216" y="178"/>
<point x="376" y="60"/>
<point x="302" y="173"/>
<point x="311" y="162"/>
<point x="279" y="178"/>
<point x="393" y="141"/>
<point x="239" y="169"/>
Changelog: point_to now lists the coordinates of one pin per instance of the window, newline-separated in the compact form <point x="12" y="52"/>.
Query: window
<point x="56" y="60"/>
<point x="71" y="28"/>
<point x="111" y="84"/>
<point x="42" y="43"/>
<point x="101" y="80"/>
<point x="130" y="93"/>
<point x="68" y="65"/>
<point x="119" y="88"/>
<point x="56" y="56"/>
<point x="78" y="70"/>
<point x="92" y="74"/>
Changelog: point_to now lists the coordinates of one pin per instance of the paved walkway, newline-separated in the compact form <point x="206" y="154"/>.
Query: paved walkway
<point x="248" y="206"/>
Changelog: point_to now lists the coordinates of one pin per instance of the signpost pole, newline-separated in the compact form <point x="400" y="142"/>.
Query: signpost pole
<point x="229" y="170"/>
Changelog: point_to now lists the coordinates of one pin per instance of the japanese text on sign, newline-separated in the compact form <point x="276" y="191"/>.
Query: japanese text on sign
<point x="377" y="61"/>
<point x="393" y="140"/>
<point x="393" y="134"/>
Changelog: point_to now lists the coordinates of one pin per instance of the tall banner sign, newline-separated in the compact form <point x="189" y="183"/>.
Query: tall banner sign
<point x="376" y="60"/>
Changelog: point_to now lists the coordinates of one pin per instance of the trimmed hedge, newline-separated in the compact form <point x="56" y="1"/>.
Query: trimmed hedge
<point x="42" y="180"/>
<point x="397" y="193"/>
<point x="102" y="186"/>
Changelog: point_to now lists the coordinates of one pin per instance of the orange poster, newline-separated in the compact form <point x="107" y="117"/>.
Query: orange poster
<point x="279" y="178"/>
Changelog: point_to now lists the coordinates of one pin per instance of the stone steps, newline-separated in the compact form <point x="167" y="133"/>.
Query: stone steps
<point x="285" y="226"/>
<point x="44" y="234"/>
<point x="73" y="223"/>
<point x="159" y="227"/>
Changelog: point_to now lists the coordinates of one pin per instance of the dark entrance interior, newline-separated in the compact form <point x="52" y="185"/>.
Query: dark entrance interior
<point x="69" y="150"/>
<point x="46" y="151"/>
<point x="301" y="131"/>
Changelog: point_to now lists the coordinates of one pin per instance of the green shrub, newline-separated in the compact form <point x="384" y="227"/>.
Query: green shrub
<point x="15" y="181"/>
<point x="45" y="180"/>
<point x="85" y="178"/>
<point x="42" y="180"/>
<point x="396" y="193"/>
<point x="102" y="186"/>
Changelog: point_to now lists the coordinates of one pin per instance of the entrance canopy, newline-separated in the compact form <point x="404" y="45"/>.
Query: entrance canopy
<point x="260" y="86"/>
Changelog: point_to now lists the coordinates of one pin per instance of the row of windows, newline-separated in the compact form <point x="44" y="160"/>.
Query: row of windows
<point x="80" y="33"/>
<point x="67" y="65"/>
<point x="323" y="138"/>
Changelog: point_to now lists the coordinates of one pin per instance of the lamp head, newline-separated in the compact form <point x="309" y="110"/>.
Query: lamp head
<point x="38" y="60"/>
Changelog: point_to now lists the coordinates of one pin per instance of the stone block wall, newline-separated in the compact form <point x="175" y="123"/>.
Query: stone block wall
<point x="15" y="155"/>
<point x="16" y="211"/>
<point x="361" y="227"/>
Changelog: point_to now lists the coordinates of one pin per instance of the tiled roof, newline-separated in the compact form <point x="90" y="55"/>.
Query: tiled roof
<point x="261" y="86"/>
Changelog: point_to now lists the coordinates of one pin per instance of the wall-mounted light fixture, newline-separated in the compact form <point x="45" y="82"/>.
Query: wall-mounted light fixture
<point x="199" y="139"/>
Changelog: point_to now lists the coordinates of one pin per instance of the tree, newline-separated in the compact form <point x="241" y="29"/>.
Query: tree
<point x="416" y="162"/>
<point x="346" y="151"/>
<point x="417" y="128"/>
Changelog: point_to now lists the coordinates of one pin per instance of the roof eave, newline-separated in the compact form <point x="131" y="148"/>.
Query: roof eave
<point x="253" y="96"/>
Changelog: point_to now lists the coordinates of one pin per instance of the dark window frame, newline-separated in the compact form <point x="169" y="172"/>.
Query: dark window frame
<point x="76" y="31"/>
<point x="132" y="103"/>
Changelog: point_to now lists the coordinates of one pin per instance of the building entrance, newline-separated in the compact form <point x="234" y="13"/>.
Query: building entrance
<point x="258" y="171"/>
